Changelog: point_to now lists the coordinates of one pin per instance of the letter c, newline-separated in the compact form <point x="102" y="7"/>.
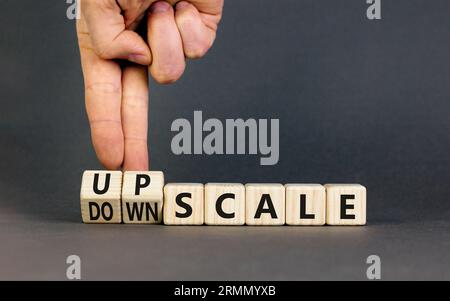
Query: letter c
<point x="219" y="203"/>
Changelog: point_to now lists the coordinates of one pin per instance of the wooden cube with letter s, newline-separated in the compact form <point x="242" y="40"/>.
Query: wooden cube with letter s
<point x="183" y="204"/>
<point x="100" y="197"/>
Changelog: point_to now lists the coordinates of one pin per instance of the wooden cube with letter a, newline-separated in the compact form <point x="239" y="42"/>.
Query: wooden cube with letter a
<point x="346" y="204"/>
<point x="305" y="204"/>
<point x="265" y="204"/>
<point x="183" y="204"/>
<point x="142" y="197"/>
<point x="224" y="204"/>
<point x="100" y="196"/>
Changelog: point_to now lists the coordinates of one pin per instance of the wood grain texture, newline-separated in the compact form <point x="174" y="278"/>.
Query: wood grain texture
<point x="262" y="196"/>
<point x="224" y="204"/>
<point x="142" y="197"/>
<point x="184" y="200"/>
<point x="340" y="214"/>
<point x="100" y="196"/>
<point x="312" y="197"/>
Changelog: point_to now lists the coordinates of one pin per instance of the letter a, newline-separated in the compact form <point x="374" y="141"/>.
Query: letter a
<point x="374" y="10"/>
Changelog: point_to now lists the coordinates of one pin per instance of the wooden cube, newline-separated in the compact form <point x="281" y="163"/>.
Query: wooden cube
<point x="142" y="197"/>
<point x="224" y="204"/>
<point x="100" y="196"/>
<point x="346" y="204"/>
<point x="265" y="204"/>
<point x="305" y="204"/>
<point x="183" y="204"/>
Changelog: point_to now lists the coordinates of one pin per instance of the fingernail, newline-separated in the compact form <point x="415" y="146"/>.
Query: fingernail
<point x="137" y="58"/>
<point x="182" y="4"/>
<point x="160" y="7"/>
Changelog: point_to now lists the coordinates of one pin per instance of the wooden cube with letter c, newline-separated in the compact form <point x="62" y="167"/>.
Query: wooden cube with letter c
<point x="100" y="197"/>
<point x="183" y="204"/>
<point x="142" y="197"/>
<point x="346" y="204"/>
<point x="224" y="204"/>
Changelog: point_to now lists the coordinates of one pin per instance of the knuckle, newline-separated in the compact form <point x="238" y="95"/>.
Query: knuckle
<point x="103" y="51"/>
<point x="106" y="3"/>
<point x="186" y="18"/>
<point x="136" y="140"/>
<point x="103" y="88"/>
<point x="135" y="101"/>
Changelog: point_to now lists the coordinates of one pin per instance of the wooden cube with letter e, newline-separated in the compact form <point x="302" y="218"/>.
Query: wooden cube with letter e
<point x="346" y="204"/>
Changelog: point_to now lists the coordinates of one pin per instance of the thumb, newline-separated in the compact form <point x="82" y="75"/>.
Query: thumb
<point x="109" y="36"/>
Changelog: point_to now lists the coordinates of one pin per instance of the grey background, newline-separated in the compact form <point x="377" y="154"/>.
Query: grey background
<point x="358" y="101"/>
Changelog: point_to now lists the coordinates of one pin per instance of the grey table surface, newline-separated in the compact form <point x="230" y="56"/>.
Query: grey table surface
<point x="37" y="250"/>
<point x="359" y="101"/>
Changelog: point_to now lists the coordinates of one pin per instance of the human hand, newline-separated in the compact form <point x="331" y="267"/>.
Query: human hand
<point x="117" y="93"/>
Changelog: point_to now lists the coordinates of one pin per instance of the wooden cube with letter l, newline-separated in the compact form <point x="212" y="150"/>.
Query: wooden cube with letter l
<point x="305" y="204"/>
<point x="183" y="204"/>
<point x="346" y="204"/>
<point x="100" y="196"/>
<point x="142" y="197"/>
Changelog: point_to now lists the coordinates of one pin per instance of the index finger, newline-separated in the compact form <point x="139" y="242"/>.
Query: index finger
<point x="103" y="91"/>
